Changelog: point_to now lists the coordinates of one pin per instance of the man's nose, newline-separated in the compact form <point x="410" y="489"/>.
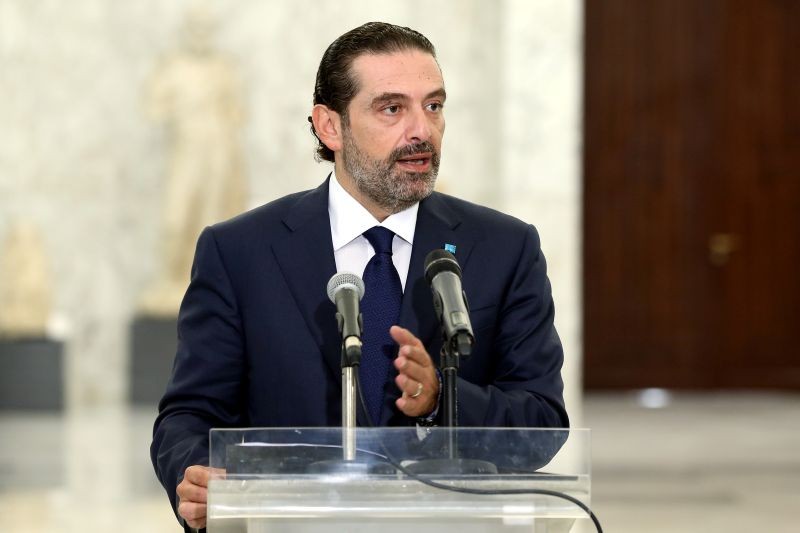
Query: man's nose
<point x="419" y="127"/>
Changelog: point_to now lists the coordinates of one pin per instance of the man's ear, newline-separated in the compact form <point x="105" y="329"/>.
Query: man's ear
<point x="328" y="125"/>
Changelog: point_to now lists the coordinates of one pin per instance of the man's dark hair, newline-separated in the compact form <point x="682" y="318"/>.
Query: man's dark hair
<point x="336" y="86"/>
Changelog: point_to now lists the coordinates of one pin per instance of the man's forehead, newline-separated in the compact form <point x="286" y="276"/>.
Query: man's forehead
<point x="397" y="72"/>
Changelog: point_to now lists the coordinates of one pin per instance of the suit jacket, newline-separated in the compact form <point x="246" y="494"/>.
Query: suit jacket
<point x="258" y="343"/>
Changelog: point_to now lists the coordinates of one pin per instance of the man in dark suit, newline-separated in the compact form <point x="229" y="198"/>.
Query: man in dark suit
<point x="258" y="342"/>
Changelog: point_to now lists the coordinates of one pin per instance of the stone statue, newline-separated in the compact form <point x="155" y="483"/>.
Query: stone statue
<point x="25" y="292"/>
<point x="195" y="93"/>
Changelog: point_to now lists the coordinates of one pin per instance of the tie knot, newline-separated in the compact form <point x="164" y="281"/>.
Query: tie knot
<point x="381" y="239"/>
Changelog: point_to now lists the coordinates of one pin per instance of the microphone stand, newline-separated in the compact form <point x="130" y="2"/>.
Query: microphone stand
<point x="351" y="357"/>
<point x="350" y="363"/>
<point x="452" y="464"/>
<point x="449" y="359"/>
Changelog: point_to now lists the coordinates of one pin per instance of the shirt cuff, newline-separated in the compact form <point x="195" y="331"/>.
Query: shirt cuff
<point x="430" y="420"/>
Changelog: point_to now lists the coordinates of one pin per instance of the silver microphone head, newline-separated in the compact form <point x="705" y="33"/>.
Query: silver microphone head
<point x="345" y="280"/>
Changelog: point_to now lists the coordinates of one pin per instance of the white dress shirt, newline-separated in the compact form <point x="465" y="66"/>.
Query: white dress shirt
<point x="349" y="219"/>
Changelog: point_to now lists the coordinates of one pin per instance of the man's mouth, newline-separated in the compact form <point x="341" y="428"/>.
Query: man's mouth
<point x="416" y="162"/>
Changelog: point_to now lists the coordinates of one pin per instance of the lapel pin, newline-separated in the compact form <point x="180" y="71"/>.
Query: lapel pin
<point x="450" y="248"/>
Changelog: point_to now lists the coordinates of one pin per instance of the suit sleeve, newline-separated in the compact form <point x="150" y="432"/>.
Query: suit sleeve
<point x="526" y="389"/>
<point x="206" y="386"/>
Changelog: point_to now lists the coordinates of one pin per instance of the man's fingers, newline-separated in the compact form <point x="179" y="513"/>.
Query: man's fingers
<point x="422" y="405"/>
<point x="404" y="337"/>
<point x="409" y="386"/>
<point x="197" y="524"/>
<point x="193" y="513"/>
<point x="198" y="475"/>
<point x="416" y="354"/>
<point x="417" y="400"/>
<point x="413" y="369"/>
<point x="190" y="492"/>
<point x="216" y="473"/>
<point x="193" y="495"/>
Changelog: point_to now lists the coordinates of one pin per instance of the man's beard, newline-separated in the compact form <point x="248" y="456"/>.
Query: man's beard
<point x="382" y="182"/>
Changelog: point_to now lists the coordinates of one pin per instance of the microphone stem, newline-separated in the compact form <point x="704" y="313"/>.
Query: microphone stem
<point x="449" y="368"/>
<point x="349" y="413"/>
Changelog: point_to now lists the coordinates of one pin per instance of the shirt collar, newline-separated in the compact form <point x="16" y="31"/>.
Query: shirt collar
<point x="349" y="219"/>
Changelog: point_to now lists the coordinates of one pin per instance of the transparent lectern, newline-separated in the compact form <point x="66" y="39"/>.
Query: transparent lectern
<point x="465" y="480"/>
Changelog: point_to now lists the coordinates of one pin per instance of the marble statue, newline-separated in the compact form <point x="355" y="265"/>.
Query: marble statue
<point x="196" y="94"/>
<point x="25" y="292"/>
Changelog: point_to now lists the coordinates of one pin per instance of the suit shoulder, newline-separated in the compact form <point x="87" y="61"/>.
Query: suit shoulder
<point x="481" y="216"/>
<point x="261" y="221"/>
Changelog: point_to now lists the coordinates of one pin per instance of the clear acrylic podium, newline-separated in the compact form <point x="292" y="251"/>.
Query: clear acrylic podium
<point x="294" y="480"/>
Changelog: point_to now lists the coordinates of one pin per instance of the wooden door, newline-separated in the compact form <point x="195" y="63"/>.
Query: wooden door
<point x="692" y="194"/>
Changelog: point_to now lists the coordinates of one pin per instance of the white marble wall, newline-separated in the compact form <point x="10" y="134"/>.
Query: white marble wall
<point x="79" y="158"/>
<point x="541" y="163"/>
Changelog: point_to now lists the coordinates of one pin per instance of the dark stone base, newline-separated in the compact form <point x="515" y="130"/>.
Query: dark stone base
<point x="153" y="345"/>
<point x="32" y="374"/>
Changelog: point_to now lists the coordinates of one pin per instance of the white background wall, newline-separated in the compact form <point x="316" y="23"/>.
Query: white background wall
<point x="79" y="158"/>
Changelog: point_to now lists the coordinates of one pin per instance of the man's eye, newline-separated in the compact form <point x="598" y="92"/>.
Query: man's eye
<point x="391" y="109"/>
<point x="435" y="107"/>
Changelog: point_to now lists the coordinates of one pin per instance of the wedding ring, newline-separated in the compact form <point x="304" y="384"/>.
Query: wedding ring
<point x="419" y="391"/>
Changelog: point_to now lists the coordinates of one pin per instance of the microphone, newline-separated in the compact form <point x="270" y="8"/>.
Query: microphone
<point x="449" y="300"/>
<point x="346" y="289"/>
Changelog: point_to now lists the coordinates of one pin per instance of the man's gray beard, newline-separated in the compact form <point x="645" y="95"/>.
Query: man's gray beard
<point x="392" y="189"/>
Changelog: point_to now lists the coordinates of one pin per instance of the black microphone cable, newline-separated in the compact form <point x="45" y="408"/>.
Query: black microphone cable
<point x="467" y="490"/>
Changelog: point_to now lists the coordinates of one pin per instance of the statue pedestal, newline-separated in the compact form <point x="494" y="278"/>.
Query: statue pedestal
<point x="153" y="344"/>
<point x="32" y="374"/>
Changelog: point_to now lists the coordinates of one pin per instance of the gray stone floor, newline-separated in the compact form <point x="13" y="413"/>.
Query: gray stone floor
<point x="702" y="463"/>
<point x="708" y="463"/>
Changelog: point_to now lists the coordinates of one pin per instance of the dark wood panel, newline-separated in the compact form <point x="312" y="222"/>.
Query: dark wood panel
<point x="759" y="290"/>
<point x="691" y="137"/>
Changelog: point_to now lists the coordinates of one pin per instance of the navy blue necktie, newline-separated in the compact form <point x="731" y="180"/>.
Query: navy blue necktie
<point x="380" y="308"/>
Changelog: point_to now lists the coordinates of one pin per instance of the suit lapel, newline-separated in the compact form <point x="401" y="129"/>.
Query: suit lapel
<point x="307" y="262"/>
<point x="437" y="225"/>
